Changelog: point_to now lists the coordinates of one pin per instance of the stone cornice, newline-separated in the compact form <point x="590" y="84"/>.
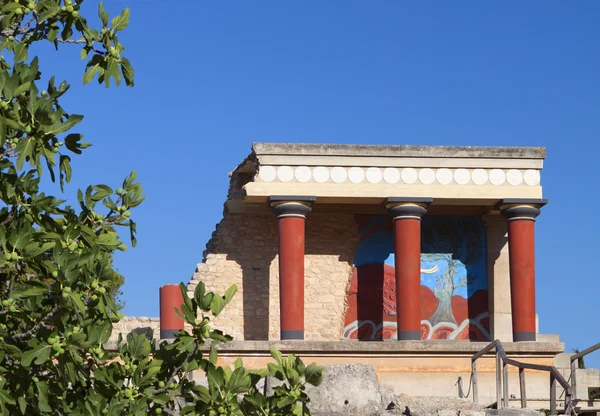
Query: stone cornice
<point x="311" y="149"/>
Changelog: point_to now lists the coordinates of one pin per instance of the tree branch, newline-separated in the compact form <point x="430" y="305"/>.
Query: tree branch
<point x="71" y="40"/>
<point x="30" y="332"/>
<point x="175" y="371"/>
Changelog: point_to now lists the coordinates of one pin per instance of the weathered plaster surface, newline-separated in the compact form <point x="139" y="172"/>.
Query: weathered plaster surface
<point x="399" y="150"/>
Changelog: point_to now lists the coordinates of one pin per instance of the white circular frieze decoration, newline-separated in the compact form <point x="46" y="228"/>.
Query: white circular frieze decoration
<point x="497" y="176"/>
<point x="409" y="175"/>
<point x="285" y="173"/>
<point x="444" y="176"/>
<point x="479" y="176"/>
<point x="338" y="174"/>
<point x="427" y="176"/>
<point x="321" y="174"/>
<point x="532" y="177"/>
<point x="356" y="175"/>
<point x="267" y="173"/>
<point x="462" y="176"/>
<point x="374" y="175"/>
<point x="514" y="177"/>
<point x="303" y="174"/>
<point x="391" y="175"/>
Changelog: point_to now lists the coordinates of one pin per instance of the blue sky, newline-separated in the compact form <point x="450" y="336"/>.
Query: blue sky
<point x="212" y="77"/>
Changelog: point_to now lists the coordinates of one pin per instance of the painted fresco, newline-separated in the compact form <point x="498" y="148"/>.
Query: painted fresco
<point x="454" y="295"/>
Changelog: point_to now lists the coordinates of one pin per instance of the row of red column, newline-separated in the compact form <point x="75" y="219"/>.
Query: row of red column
<point x="406" y="213"/>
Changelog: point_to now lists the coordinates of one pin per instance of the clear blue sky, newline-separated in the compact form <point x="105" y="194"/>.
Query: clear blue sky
<point x="212" y="77"/>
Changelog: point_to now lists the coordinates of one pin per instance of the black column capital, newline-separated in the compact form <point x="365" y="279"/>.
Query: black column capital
<point x="521" y="209"/>
<point x="291" y="206"/>
<point x="407" y="207"/>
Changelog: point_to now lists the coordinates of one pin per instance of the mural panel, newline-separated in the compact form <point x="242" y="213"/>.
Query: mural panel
<point x="454" y="290"/>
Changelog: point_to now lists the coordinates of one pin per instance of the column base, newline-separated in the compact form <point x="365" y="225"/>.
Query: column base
<point x="168" y="333"/>
<point x="523" y="336"/>
<point x="292" y="334"/>
<point x="409" y="335"/>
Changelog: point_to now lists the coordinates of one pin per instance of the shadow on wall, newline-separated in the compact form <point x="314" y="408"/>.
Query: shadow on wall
<point x="255" y="247"/>
<point x="454" y="280"/>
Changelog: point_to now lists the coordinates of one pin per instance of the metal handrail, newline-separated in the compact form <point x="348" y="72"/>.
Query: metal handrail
<point x="502" y="379"/>
<point x="575" y="365"/>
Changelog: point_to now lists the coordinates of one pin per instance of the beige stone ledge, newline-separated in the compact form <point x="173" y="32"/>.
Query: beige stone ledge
<point x="260" y="191"/>
<point x="387" y="347"/>
<point x="415" y="162"/>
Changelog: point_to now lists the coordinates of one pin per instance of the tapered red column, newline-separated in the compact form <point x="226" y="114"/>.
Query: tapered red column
<point x="407" y="213"/>
<point x="170" y="298"/>
<point x="291" y="216"/>
<point x="521" y="215"/>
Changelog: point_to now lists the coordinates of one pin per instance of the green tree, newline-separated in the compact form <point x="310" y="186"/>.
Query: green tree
<point x="56" y="270"/>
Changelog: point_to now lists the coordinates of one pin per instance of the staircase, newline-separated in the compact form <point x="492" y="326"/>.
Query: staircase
<point x="585" y="378"/>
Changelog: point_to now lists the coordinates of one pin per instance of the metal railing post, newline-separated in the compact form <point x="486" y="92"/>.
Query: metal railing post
<point x="505" y="385"/>
<point x="502" y="391"/>
<point x="498" y="381"/>
<point x="475" y="391"/>
<point x="552" y="395"/>
<point x="522" y="387"/>
<point x="574" y="366"/>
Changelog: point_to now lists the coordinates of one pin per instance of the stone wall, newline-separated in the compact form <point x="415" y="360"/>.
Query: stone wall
<point x="243" y="251"/>
<point x="141" y="324"/>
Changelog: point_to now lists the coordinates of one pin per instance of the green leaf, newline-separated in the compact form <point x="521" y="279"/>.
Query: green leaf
<point x="109" y="240"/>
<point x="21" y="52"/>
<point x="72" y="143"/>
<point x="213" y="355"/>
<point x="138" y="345"/>
<point x="276" y="355"/>
<point x="186" y="299"/>
<point x="120" y="22"/>
<point x="65" y="170"/>
<point x="49" y="9"/>
<point x="102" y="15"/>
<point x="314" y="374"/>
<point x="127" y="71"/>
<point x="217" y="305"/>
<point x="42" y="389"/>
<point x="6" y="397"/>
<point x="102" y="191"/>
<point x="10" y="87"/>
<point x="22" y="404"/>
<point x="32" y="290"/>
<point x="20" y="238"/>
<point x="75" y="297"/>
<point x="10" y="7"/>
<point x="40" y="353"/>
<point x="61" y="127"/>
<point x="239" y="382"/>
<point x="188" y="314"/>
<point x="199" y="293"/>
<point x="25" y="149"/>
<point x="207" y="301"/>
<point x="229" y="293"/>
<point x="186" y="343"/>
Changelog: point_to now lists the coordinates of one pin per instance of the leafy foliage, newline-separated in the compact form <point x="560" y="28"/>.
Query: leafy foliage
<point x="57" y="281"/>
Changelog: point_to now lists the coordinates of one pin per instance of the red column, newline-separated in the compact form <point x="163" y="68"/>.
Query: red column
<point x="407" y="213"/>
<point x="291" y="217"/>
<point x="170" y="298"/>
<point x="521" y="220"/>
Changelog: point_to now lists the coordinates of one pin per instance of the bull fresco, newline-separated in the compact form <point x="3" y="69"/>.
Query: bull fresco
<point x="454" y="289"/>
